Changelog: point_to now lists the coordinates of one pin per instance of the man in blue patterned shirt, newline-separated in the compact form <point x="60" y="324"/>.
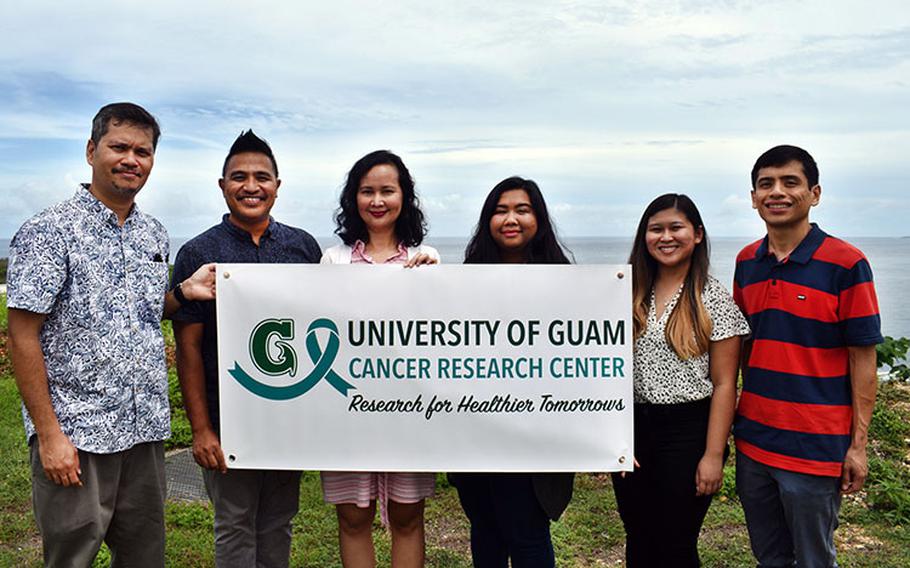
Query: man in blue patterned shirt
<point x="253" y="508"/>
<point x="86" y="292"/>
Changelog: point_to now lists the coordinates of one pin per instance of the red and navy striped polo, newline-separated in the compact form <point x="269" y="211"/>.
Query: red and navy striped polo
<point x="795" y="410"/>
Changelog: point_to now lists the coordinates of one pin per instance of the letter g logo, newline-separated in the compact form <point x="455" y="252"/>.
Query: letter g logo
<point x="274" y="356"/>
<point x="263" y="353"/>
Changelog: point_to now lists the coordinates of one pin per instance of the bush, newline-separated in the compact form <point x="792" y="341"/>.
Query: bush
<point x="889" y="490"/>
<point x="891" y="353"/>
<point x="888" y="485"/>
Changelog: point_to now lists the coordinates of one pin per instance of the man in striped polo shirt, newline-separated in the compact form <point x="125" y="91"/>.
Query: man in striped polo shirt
<point x="809" y="376"/>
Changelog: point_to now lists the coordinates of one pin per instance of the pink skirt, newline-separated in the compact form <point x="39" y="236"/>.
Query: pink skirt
<point x="361" y="487"/>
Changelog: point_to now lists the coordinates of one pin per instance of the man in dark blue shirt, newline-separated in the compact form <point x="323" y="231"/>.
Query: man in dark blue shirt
<point x="253" y="508"/>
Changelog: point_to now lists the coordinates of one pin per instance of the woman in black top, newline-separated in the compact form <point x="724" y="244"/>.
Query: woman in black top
<point x="510" y="513"/>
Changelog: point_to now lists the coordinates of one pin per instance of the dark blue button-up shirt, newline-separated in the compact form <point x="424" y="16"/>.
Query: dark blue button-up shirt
<point x="228" y="243"/>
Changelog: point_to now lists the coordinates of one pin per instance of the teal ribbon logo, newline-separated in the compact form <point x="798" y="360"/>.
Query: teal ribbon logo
<point x="278" y="333"/>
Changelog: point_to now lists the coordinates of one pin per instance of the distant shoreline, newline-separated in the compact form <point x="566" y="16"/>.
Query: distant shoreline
<point x="889" y="257"/>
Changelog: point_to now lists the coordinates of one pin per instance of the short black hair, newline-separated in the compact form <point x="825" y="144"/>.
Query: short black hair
<point x="249" y="142"/>
<point x="411" y="225"/>
<point x="120" y="113"/>
<point x="781" y="156"/>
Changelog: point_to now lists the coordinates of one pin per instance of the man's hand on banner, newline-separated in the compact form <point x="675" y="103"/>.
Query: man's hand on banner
<point x="201" y="285"/>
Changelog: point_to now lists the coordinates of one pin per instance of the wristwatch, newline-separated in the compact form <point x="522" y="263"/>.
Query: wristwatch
<point x="178" y="294"/>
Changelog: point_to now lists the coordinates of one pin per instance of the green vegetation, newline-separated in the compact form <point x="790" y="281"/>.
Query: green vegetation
<point x="889" y="459"/>
<point x="893" y="354"/>
<point x="875" y="531"/>
<point x="181" y="433"/>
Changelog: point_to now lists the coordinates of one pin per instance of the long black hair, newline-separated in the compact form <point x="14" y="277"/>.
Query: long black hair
<point x="410" y="227"/>
<point x="544" y="247"/>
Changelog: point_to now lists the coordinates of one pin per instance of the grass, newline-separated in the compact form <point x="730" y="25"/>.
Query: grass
<point x="875" y="528"/>
<point x="181" y="433"/>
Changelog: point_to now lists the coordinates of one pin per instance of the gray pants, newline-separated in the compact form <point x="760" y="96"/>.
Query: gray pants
<point x="121" y="502"/>
<point x="791" y="516"/>
<point x="253" y="512"/>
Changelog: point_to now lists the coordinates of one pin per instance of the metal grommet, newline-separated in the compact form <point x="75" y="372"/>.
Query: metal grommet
<point x="227" y="274"/>
<point x="232" y="458"/>
<point x="620" y="275"/>
<point x="622" y="459"/>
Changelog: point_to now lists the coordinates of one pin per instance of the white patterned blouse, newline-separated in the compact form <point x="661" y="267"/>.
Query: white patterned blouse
<point x="660" y="376"/>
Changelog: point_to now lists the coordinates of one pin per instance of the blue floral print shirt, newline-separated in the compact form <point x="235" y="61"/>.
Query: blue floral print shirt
<point x="102" y="287"/>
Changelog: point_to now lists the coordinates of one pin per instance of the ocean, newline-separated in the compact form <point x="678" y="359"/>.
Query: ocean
<point x="889" y="257"/>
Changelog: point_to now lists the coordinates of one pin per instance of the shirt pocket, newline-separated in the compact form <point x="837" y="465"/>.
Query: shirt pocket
<point x="148" y="285"/>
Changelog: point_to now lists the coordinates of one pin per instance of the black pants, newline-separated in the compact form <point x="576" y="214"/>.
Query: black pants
<point x="506" y="521"/>
<point x="657" y="503"/>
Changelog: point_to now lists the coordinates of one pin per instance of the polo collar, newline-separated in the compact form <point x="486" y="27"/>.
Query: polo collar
<point x="803" y="252"/>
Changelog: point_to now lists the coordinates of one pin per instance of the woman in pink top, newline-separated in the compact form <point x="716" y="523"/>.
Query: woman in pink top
<point x="380" y="222"/>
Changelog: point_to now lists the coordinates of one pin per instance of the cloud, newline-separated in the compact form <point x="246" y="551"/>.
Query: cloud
<point x="605" y="103"/>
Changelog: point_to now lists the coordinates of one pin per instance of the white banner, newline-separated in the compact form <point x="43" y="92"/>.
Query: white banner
<point x="438" y="368"/>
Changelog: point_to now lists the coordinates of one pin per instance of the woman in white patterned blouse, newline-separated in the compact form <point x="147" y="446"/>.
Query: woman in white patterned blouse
<point x="686" y="353"/>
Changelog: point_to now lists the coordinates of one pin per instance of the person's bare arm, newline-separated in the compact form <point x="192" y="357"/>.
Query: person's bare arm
<point x="724" y="356"/>
<point x="863" y="383"/>
<point x="199" y="286"/>
<point x="191" y="372"/>
<point x="59" y="457"/>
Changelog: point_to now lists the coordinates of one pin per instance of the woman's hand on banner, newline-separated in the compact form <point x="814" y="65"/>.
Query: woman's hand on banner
<point x="420" y="259"/>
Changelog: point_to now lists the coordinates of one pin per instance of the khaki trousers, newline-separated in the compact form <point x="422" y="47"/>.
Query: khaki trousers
<point x="121" y="503"/>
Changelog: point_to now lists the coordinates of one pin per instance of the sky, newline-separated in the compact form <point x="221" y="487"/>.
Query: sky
<point x="606" y="104"/>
